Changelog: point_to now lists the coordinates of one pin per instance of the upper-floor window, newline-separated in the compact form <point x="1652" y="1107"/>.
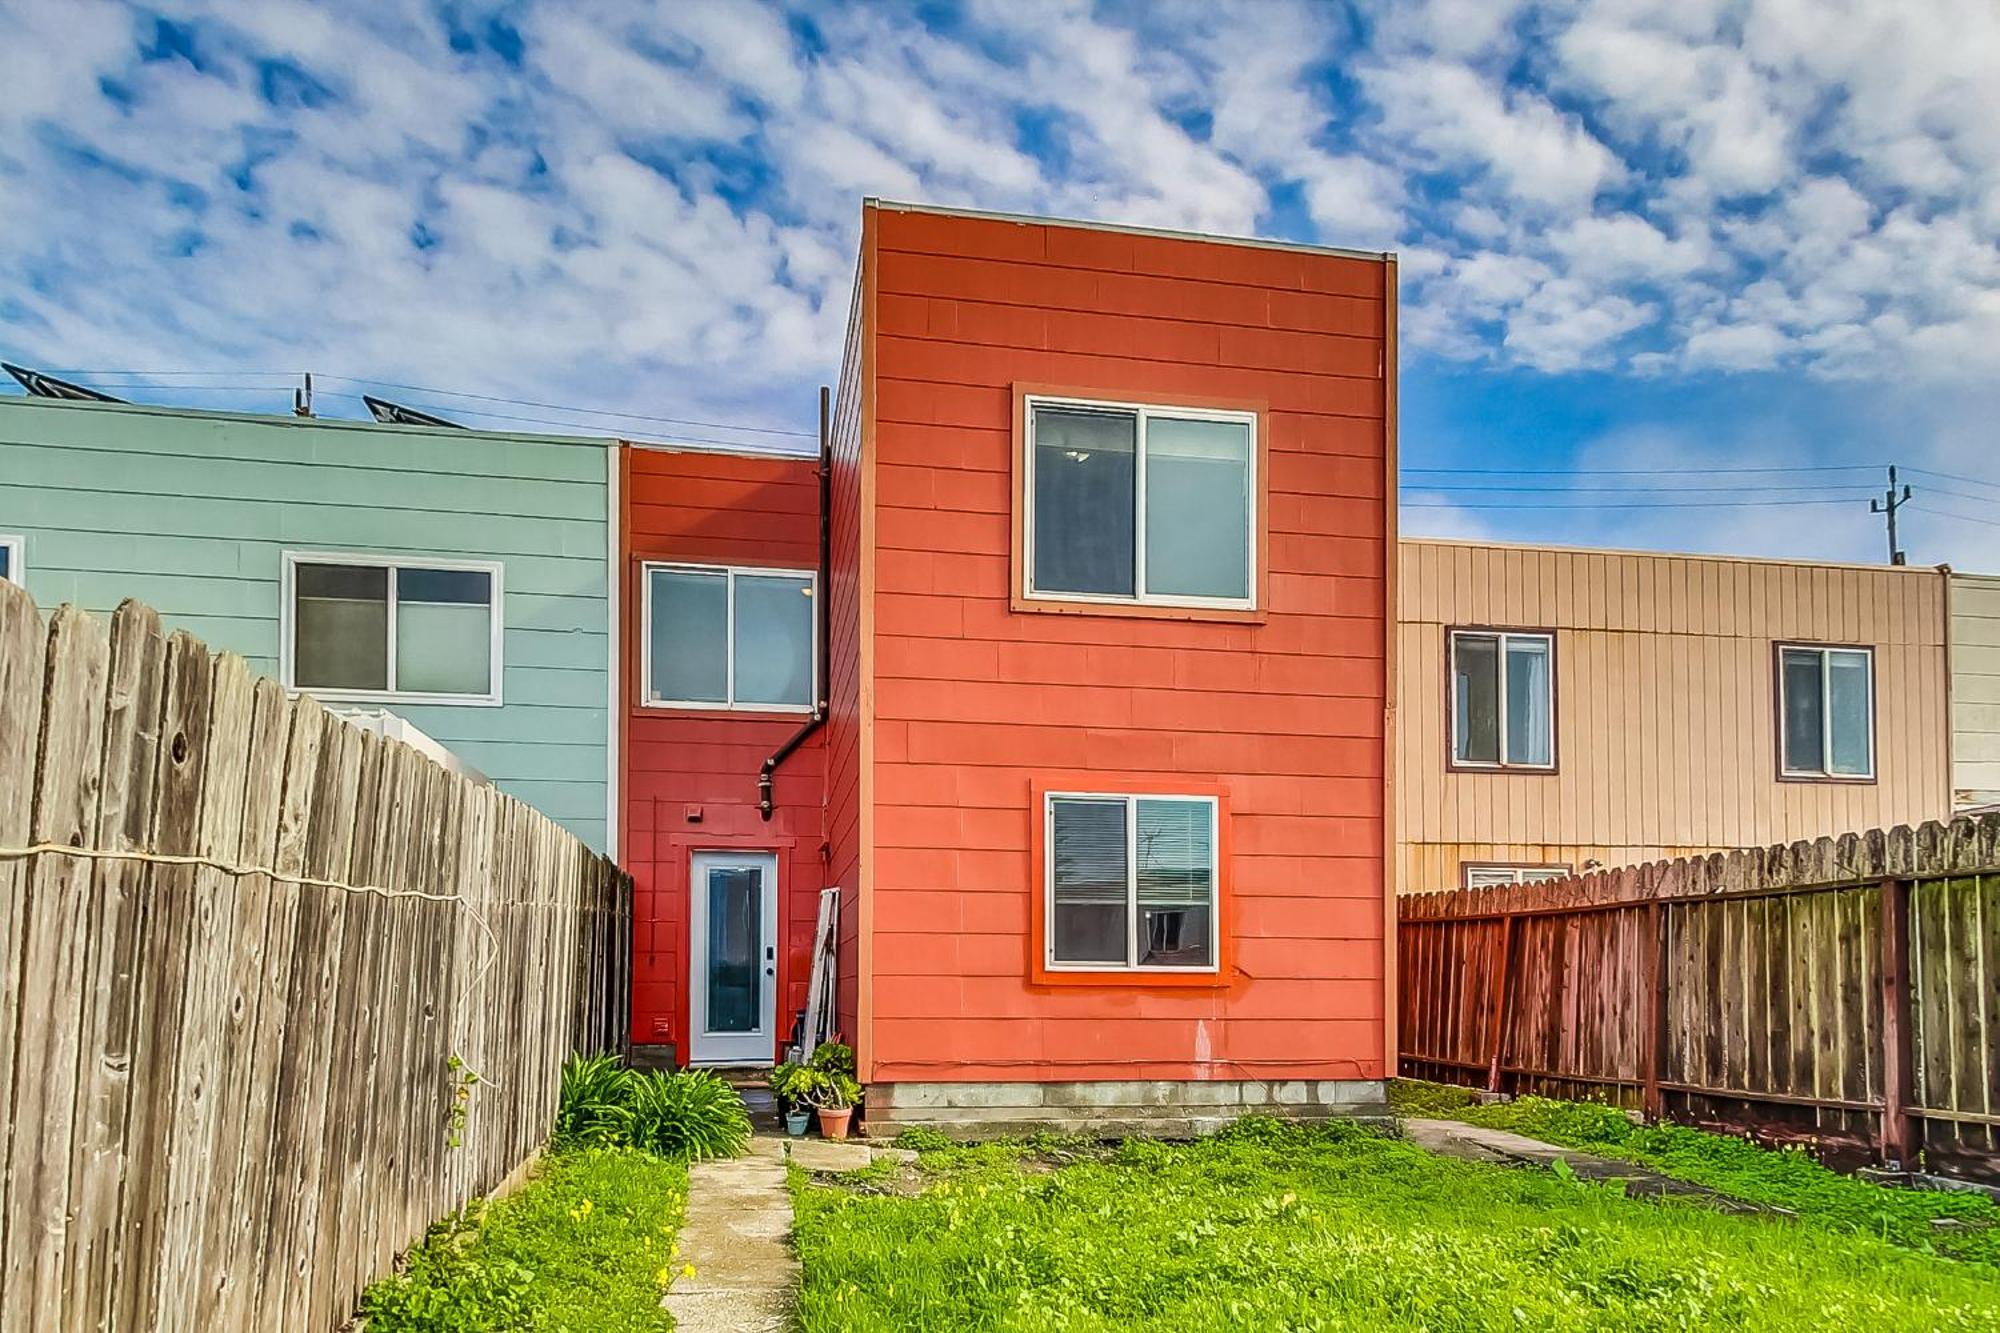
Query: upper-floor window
<point x="1502" y="699"/>
<point x="1131" y="883"/>
<point x="417" y="630"/>
<point x="1826" y="710"/>
<point x="728" y="637"/>
<point x="1149" y="505"/>
<point x="10" y="558"/>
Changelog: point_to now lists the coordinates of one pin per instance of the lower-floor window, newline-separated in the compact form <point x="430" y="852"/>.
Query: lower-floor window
<point x="1476" y="876"/>
<point x="1131" y="882"/>
<point x="373" y="627"/>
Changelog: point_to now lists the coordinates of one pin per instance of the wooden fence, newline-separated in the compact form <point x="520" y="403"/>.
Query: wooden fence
<point x="249" y="957"/>
<point x="1843" y="993"/>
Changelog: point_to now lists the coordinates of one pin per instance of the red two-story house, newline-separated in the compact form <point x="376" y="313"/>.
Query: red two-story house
<point x="1093" y="588"/>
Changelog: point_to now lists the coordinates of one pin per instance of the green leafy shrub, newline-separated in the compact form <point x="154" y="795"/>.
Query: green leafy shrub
<point x="833" y="1058"/>
<point x="689" y="1114"/>
<point x="594" y="1106"/>
<point x="922" y="1138"/>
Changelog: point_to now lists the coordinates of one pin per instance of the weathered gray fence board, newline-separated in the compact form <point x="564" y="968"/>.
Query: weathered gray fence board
<point x="225" y="1054"/>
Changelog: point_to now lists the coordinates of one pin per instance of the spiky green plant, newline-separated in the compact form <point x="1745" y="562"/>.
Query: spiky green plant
<point x="595" y="1105"/>
<point x="690" y="1114"/>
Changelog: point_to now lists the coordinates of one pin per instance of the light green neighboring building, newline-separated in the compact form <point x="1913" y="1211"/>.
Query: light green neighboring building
<point x="209" y="517"/>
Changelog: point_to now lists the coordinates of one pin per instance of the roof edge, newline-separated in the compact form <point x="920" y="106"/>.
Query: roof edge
<point x="1558" y="548"/>
<point x="1166" y="233"/>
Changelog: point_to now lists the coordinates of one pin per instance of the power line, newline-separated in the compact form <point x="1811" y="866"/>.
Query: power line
<point x="1632" y="471"/>
<point x="1963" y="518"/>
<point x="1629" y="505"/>
<point x="1953" y="476"/>
<point x="1636" y="490"/>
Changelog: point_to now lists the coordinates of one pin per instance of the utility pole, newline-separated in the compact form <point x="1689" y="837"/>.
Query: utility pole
<point x="1892" y="500"/>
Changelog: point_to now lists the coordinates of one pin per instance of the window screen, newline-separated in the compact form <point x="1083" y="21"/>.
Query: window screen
<point x="1085" y="502"/>
<point x="341" y="627"/>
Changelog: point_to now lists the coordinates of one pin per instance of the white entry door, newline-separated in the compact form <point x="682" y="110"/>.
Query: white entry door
<point x="734" y="959"/>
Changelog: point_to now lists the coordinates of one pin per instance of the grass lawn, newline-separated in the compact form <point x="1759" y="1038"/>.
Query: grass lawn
<point x="586" y="1245"/>
<point x="1791" y="1179"/>
<point x="1272" y="1226"/>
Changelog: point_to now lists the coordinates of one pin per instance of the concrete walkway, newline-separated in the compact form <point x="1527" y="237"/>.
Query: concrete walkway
<point x="1474" y="1143"/>
<point x="737" y="1236"/>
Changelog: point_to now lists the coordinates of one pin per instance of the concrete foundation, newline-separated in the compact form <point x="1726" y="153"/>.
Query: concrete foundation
<point x="1164" y="1109"/>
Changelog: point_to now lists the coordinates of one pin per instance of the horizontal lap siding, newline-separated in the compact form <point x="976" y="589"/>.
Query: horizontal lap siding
<point x="191" y="513"/>
<point x="1666" y="734"/>
<point x="974" y="700"/>
<point x="709" y="508"/>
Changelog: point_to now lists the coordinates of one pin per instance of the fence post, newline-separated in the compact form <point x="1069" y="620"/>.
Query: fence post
<point x="1897" y="1147"/>
<point x="1500" y="1005"/>
<point x="1653" y="1050"/>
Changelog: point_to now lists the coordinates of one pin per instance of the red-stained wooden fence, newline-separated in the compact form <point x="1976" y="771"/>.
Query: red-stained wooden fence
<point x="1843" y="993"/>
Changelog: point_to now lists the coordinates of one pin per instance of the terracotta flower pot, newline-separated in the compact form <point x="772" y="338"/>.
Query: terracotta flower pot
<point x="833" y="1123"/>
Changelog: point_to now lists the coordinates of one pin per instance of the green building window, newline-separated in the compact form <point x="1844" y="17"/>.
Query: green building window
<point x="365" y="628"/>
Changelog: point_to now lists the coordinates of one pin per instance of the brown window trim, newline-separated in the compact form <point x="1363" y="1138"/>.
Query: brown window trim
<point x="1465" y="868"/>
<point x="1451" y="761"/>
<point x="1019" y="600"/>
<point x="1778" y="647"/>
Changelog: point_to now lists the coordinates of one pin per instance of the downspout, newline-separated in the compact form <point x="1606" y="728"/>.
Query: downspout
<point x="821" y="594"/>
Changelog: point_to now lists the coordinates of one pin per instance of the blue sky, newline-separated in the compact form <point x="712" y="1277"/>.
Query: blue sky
<point x="1643" y="244"/>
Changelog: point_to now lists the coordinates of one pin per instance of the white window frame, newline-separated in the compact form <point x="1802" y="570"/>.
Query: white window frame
<point x="1513" y="874"/>
<point x="1501" y="636"/>
<point x="1131" y="963"/>
<point x="1825" y="652"/>
<point x="1143" y="412"/>
<point x="288" y="627"/>
<point x="16" y="547"/>
<point x="729" y="705"/>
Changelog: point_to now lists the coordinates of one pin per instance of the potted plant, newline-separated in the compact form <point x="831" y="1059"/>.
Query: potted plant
<point x="834" y="1098"/>
<point x="792" y="1086"/>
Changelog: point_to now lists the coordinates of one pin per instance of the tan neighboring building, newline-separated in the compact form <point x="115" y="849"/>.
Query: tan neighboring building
<point x="1559" y="707"/>
<point x="1975" y="689"/>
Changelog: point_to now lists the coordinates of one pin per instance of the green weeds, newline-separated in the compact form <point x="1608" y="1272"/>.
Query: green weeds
<point x="586" y="1244"/>
<point x="1273" y="1226"/>
<point x="1790" y="1179"/>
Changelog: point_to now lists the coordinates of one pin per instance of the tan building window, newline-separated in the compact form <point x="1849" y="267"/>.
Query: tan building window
<point x="1826" y="711"/>
<point x="1502" y="699"/>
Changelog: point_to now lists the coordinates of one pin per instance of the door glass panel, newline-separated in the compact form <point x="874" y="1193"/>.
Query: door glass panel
<point x="1085" y="501"/>
<point x="735" y="948"/>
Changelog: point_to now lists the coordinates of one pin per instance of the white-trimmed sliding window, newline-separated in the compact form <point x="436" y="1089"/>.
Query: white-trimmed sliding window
<point x="1502" y="699"/>
<point x="410" y="630"/>
<point x="729" y="636"/>
<point x="1826" y="712"/>
<point x="1477" y="876"/>
<point x="10" y="557"/>
<point x="1131" y="503"/>
<point x="1130" y="883"/>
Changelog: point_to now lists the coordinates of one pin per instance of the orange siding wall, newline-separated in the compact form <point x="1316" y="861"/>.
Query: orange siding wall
<point x="974" y="701"/>
<point x="846" y="724"/>
<point x="712" y="508"/>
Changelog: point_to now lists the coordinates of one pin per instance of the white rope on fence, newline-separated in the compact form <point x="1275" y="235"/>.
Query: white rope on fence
<point x="304" y="881"/>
